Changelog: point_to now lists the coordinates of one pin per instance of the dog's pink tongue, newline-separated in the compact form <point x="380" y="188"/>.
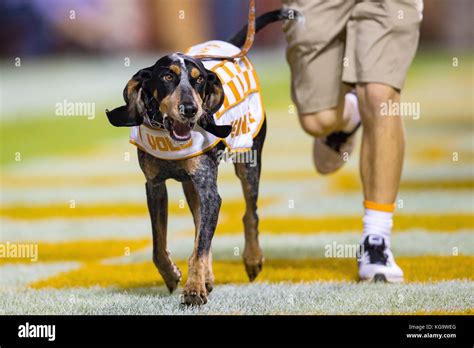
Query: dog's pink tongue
<point x="181" y="128"/>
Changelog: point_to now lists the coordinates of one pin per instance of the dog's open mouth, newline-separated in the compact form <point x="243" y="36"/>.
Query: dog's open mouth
<point x="179" y="132"/>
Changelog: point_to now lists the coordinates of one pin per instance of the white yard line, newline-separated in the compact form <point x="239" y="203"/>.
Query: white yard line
<point x="14" y="276"/>
<point x="62" y="230"/>
<point x="305" y="198"/>
<point x="294" y="246"/>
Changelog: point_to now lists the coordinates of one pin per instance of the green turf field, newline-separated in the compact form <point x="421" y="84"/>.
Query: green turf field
<point x="75" y="196"/>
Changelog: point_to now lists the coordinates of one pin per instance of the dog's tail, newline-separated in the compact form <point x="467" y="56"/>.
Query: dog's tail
<point x="262" y="21"/>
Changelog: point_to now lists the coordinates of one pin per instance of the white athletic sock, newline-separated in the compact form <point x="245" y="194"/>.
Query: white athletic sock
<point x="379" y="223"/>
<point x="351" y="112"/>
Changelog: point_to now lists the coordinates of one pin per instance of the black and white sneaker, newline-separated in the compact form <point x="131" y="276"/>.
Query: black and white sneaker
<point x="377" y="263"/>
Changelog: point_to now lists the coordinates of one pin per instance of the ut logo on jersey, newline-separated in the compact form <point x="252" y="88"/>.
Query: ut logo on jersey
<point x="164" y="143"/>
<point x="241" y="125"/>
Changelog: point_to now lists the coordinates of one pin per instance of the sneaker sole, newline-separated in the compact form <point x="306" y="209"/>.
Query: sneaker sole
<point x="382" y="278"/>
<point x="325" y="159"/>
<point x="328" y="161"/>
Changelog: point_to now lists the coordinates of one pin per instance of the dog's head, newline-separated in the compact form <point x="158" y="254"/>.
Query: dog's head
<point x="179" y="92"/>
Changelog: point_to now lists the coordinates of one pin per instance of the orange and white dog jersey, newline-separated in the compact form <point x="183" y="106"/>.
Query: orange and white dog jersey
<point x="242" y="109"/>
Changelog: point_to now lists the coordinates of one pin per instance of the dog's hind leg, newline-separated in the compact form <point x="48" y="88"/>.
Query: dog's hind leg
<point x="253" y="256"/>
<point x="249" y="175"/>
<point x="157" y="199"/>
<point x="192" y="198"/>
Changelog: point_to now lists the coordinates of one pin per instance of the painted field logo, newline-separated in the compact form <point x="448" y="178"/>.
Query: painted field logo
<point x="19" y="251"/>
<point x="37" y="331"/>
<point x="407" y="109"/>
<point x="341" y="250"/>
<point x="67" y="108"/>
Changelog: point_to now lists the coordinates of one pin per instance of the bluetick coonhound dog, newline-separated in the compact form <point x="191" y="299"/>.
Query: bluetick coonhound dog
<point x="179" y="94"/>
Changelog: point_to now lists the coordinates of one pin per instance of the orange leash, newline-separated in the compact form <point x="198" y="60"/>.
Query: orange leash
<point x="248" y="39"/>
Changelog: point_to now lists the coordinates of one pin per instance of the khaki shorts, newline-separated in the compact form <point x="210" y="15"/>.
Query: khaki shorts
<point x="349" y="41"/>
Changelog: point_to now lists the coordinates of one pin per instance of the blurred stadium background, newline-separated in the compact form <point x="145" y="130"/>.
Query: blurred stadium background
<point x="72" y="185"/>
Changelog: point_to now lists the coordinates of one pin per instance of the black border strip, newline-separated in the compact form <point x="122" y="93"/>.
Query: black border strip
<point x="288" y="330"/>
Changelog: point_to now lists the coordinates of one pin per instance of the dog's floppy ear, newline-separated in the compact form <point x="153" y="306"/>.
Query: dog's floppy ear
<point x="213" y="94"/>
<point x="120" y="117"/>
<point x="140" y="80"/>
<point x="213" y="100"/>
<point x="209" y="125"/>
<point x="135" y="95"/>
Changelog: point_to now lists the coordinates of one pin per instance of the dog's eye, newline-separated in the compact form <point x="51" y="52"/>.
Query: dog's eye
<point x="200" y="79"/>
<point x="168" y="77"/>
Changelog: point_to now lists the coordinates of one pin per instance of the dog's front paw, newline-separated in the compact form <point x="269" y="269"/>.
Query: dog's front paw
<point x="209" y="285"/>
<point x="171" y="275"/>
<point x="209" y="282"/>
<point x="253" y="262"/>
<point x="194" y="294"/>
<point x="172" y="281"/>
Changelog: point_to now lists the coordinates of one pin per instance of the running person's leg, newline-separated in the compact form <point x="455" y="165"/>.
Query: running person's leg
<point x="381" y="162"/>
<point x="379" y="45"/>
<point x="385" y="42"/>
<point x="315" y="54"/>
<point x="383" y="143"/>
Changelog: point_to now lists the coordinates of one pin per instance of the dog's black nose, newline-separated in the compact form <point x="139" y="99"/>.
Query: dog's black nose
<point x="188" y="110"/>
